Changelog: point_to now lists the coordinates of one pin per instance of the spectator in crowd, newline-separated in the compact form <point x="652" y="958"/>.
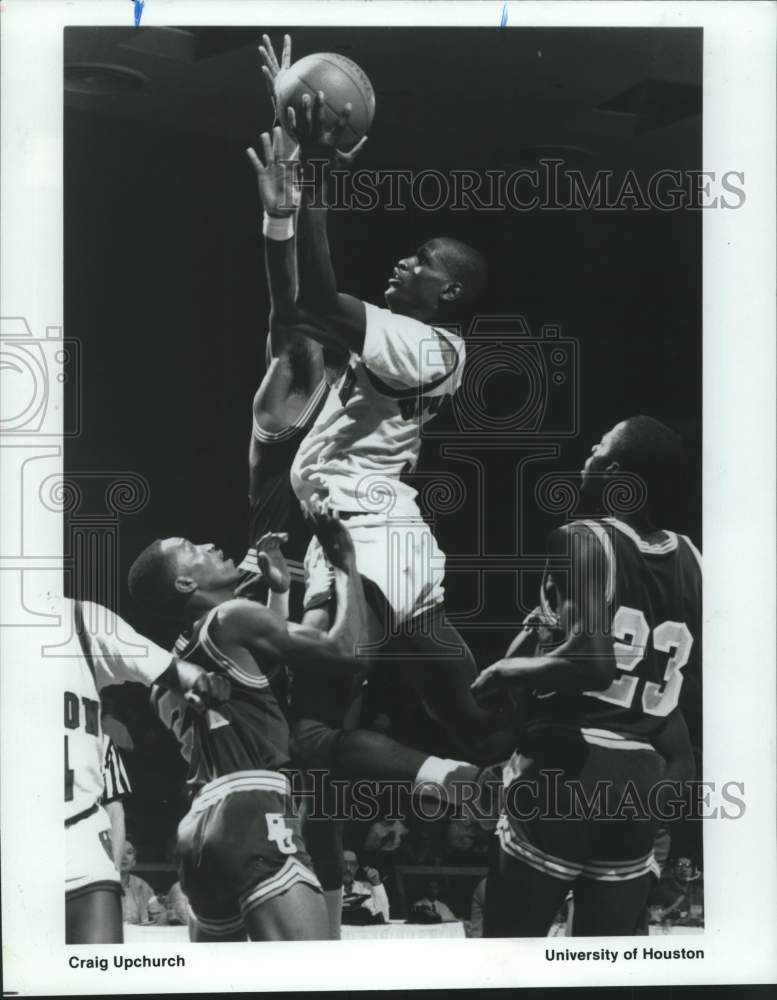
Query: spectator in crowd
<point x="677" y="900"/>
<point x="136" y="892"/>
<point x="364" y="899"/>
<point x="476" y="910"/>
<point x="430" y="908"/>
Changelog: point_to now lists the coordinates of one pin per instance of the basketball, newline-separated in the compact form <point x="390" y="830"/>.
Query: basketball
<point x="341" y="81"/>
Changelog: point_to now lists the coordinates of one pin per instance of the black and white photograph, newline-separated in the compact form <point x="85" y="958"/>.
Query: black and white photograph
<point x="363" y="448"/>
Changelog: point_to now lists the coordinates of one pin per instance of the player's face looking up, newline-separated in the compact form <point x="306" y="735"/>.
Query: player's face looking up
<point x="602" y="457"/>
<point x="418" y="282"/>
<point x="198" y="566"/>
<point x="439" y="277"/>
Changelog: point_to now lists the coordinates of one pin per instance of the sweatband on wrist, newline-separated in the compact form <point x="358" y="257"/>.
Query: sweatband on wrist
<point x="278" y="228"/>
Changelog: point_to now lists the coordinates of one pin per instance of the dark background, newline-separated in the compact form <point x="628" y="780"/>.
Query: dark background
<point x="164" y="282"/>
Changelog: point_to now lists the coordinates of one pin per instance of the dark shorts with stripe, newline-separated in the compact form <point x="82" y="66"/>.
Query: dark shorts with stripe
<point x="240" y="846"/>
<point x="550" y="820"/>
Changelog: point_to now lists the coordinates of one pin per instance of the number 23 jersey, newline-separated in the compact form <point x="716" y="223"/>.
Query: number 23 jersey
<point x="654" y="586"/>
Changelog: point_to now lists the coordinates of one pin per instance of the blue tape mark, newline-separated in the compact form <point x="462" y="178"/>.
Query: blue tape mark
<point x="503" y="22"/>
<point x="139" y="5"/>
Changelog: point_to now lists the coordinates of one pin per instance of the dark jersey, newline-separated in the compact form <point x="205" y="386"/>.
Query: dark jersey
<point x="247" y="733"/>
<point x="653" y="585"/>
<point x="273" y="505"/>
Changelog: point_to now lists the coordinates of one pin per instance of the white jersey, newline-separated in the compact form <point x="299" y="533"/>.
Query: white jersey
<point x="116" y="654"/>
<point x="368" y="432"/>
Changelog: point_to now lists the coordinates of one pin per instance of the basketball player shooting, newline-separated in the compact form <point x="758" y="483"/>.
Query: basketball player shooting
<point x="321" y="699"/>
<point x="287" y="401"/>
<point x="402" y="365"/>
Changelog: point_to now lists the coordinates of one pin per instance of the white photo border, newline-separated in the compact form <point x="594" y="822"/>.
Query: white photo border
<point x="738" y="511"/>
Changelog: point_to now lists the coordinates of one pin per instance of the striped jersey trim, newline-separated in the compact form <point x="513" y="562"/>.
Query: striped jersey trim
<point x="694" y="550"/>
<point x="598" y="737"/>
<point x="612" y="741"/>
<point x="293" y="873"/>
<point x="648" y="548"/>
<point x="256" y="681"/>
<point x="240" y="781"/>
<point x="219" y="928"/>
<point x="618" y="871"/>
<point x="515" y="843"/>
<point x="609" y="555"/>
<point x="278" y="437"/>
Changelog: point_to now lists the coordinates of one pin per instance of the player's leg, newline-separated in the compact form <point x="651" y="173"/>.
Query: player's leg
<point x="333" y="899"/>
<point x="199" y="935"/>
<point x="206" y="880"/>
<point x="94" y="916"/>
<point x="520" y="900"/>
<point x="406" y="597"/>
<point x="300" y="914"/>
<point x="604" y="909"/>
<point x="612" y="893"/>
<point x="443" y="671"/>
<point x="92" y="887"/>
<point x="541" y="854"/>
<point x="324" y="841"/>
<point x="323" y="835"/>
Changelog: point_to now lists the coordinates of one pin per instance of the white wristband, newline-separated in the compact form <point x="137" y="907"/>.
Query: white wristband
<point x="278" y="228"/>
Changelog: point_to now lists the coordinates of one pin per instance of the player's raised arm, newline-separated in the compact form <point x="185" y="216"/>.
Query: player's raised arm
<point x="276" y="179"/>
<point x="585" y="659"/>
<point x="296" y="362"/>
<point x="344" y="315"/>
<point x="333" y="319"/>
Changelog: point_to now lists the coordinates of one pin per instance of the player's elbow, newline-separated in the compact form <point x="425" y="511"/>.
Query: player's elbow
<point x="338" y="654"/>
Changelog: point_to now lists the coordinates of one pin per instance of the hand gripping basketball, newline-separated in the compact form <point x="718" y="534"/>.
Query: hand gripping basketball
<point x="316" y="139"/>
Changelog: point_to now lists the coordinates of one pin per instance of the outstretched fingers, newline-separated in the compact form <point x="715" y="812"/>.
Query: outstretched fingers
<point x="267" y="53"/>
<point x="255" y="161"/>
